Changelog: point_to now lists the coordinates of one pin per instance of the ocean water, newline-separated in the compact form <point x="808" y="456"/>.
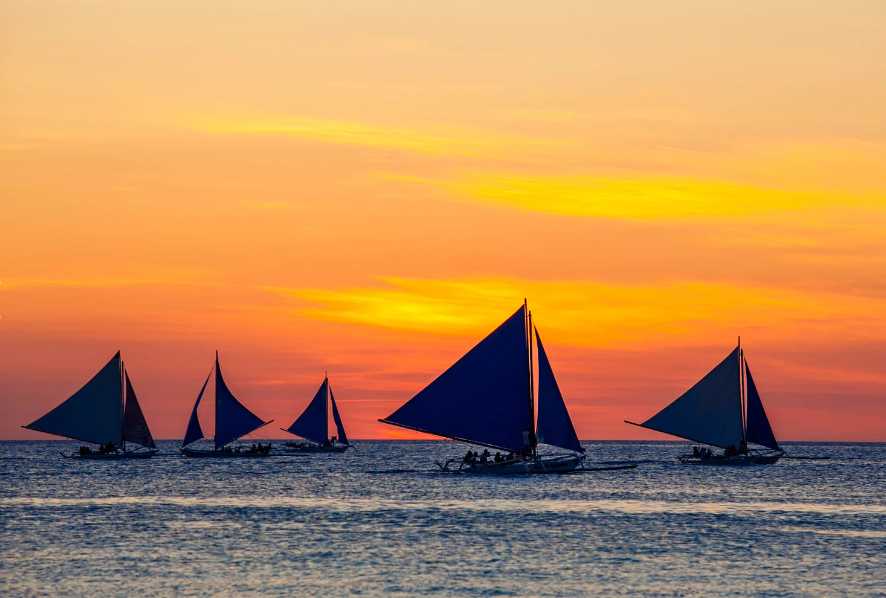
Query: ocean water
<point x="379" y="520"/>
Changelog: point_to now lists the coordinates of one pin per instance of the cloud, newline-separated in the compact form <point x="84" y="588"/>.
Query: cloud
<point x="637" y="198"/>
<point x="593" y="313"/>
<point x="440" y="141"/>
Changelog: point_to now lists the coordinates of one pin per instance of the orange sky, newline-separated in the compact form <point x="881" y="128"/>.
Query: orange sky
<point x="370" y="187"/>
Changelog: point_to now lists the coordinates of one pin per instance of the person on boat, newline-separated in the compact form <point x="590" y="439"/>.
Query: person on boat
<point x="332" y="440"/>
<point x="730" y="451"/>
<point x="497" y="457"/>
<point x="695" y="452"/>
<point x="484" y="458"/>
<point x="85" y="451"/>
<point x="469" y="457"/>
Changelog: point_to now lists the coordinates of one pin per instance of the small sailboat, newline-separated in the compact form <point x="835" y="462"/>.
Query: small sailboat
<point x="104" y="412"/>
<point x="722" y="410"/>
<point x="487" y="398"/>
<point x="232" y="421"/>
<point x="313" y="425"/>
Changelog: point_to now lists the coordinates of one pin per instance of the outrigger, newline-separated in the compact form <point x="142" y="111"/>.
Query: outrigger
<point x="313" y="425"/>
<point x="104" y="412"/>
<point x="487" y="398"/>
<point x="722" y="410"/>
<point x="232" y="421"/>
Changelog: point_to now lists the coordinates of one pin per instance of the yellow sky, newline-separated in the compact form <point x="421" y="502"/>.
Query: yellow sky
<point x="374" y="185"/>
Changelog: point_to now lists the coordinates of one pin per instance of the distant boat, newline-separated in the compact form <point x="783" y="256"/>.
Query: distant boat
<point x="722" y="410"/>
<point x="313" y="425"/>
<point x="487" y="398"/>
<point x="232" y="421"/>
<point x="103" y="413"/>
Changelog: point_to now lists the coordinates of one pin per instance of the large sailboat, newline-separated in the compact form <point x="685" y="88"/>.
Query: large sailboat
<point x="104" y="412"/>
<point x="487" y="398"/>
<point x="313" y="425"/>
<point x="722" y="410"/>
<point x="232" y="421"/>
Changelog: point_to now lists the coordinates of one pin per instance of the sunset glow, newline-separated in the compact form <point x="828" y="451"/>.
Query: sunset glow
<point x="656" y="183"/>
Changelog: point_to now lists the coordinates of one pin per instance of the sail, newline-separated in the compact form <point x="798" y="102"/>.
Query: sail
<point x="93" y="413"/>
<point x="758" y="429"/>
<point x="313" y="423"/>
<point x="232" y="419"/>
<point x="339" y="426"/>
<point x="194" y="431"/>
<point x="483" y="398"/>
<point x="709" y="412"/>
<point x="554" y="424"/>
<point x="135" y="428"/>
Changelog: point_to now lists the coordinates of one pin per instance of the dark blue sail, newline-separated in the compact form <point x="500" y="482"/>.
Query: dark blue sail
<point x="339" y="426"/>
<point x="92" y="414"/>
<point x="194" y="431"/>
<point x="758" y="429"/>
<point x="313" y="423"/>
<point x="232" y="419"/>
<point x="554" y="424"/>
<point x="483" y="398"/>
<point x="710" y="411"/>
<point x="135" y="427"/>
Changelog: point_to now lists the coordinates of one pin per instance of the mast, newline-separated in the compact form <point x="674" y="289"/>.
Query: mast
<point x="123" y="398"/>
<point x="742" y="394"/>
<point x="533" y="441"/>
<point x="213" y="404"/>
<point x="326" y="404"/>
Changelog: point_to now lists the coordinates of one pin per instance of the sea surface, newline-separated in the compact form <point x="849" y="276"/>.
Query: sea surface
<point x="379" y="520"/>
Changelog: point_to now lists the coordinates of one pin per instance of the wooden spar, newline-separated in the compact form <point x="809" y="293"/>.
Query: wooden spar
<point x="742" y="395"/>
<point x="533" y="439"/>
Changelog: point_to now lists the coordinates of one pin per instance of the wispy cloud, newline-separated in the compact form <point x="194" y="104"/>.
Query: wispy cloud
<point x="638" y="198"/>
<point x="432" y="141"/>
<point x="591" y="312"/>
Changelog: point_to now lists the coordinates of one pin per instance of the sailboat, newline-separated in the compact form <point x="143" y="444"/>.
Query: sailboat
<point x="487" y="398"/>
<point x="232" y="421"/>
<point x="104" y="412"/>
<point x="722" y="410"/>
<point x="313" y="425"/>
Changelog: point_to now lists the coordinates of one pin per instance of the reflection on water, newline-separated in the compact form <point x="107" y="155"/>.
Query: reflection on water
<point x="497" y="505"/>
<point x="334" y="524"/>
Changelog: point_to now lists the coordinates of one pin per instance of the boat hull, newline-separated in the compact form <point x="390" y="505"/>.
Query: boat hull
<point x="224" y="453"/>
<point x="95" y="456"/>
<point x="309" y="449"/>
<point x="549" y="464"/>
<point x="733" y="460"/>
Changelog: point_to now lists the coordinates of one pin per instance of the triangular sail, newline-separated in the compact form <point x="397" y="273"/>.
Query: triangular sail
<point x="758" y="429"/>
<point x="194" y="431"/>
<point x="554" y="424"/>
<point x="135" y="427"/>
<point x="483" y="398"/>
<point x="339" y="426"/>
<point x="92" y="414"/>
<point x="232" y="419"/>
<point x="710" y="411"/>
<point x="313" y="423"/>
